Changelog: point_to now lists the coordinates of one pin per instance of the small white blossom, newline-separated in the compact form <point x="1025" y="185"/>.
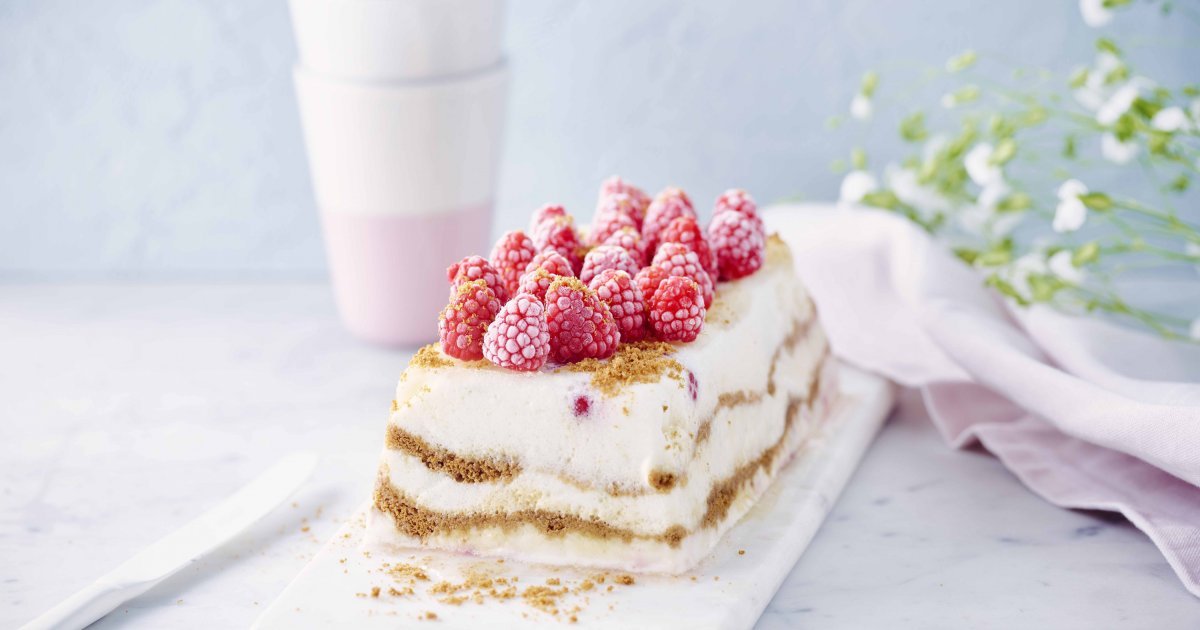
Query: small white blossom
<point x="860" y="107"/>
<point x="1071" y="213"/>
<point x="1170" y="119"/>
<point x="1094" y="13"/>
<point x="1062" y="266"/>
<point x="1118" y="103"/>
<point x="979" y="165"/>
<point x="1116" y="151"/>
<point x="1194" y="331"/>
<point x="1095" y="89"/>
<point x="1192" y="249"/>
<point x="856" y="185"/>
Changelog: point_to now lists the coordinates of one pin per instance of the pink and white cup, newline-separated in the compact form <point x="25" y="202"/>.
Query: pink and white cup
<point x="402" y="108"/>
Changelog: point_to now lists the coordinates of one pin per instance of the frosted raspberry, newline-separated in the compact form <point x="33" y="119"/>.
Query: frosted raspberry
<point x="678" y="260"/>
<point x="648" y="280"/>
<point x="630" y="240"/>
<point x="559" y="235"/>
<point x="676" y="310"/>
<point x="606" y="222"/>
<point x="739" y="242"/>
<point x="510" y="257"/>
<point x="581" y="326"/>
<point x="542" y="270"/>
<point x="546" y="212"/>
<point x="686" y="232"/>
<point x="617" y="289"/>
<point x="475" y="268"/>
<point x="737" y="200"/>
<point x="463" y="322"/>
<point x="519" y="338"/>
<point x="668" y="205"/>
<point x="637" y="198"/>
<point x="607" y="257"/>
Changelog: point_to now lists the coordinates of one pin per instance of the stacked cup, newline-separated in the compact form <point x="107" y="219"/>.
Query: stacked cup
<point x="402" y="106"/>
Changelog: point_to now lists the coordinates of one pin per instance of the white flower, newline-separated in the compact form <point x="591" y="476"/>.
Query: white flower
<point x="1095" y="14"/>
<point x="1192" y="249"/>
<point x="980" y="167"/>
<point x="1195" y="329"/>
<point x="1071" y="212"/>
<point x="856" y="185"/>
<point x="927" y="201"/>
<point x="1116" y="151"/>
<point x="1062" y="266"/>
<point x="1170" y="119"/>
<point x="1118" y="103"/>
<point x="1095" y="90"/>
<point x="860" y="107"/>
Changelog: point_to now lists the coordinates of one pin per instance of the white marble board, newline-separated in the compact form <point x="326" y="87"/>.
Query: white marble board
<point x="728" y="590"/>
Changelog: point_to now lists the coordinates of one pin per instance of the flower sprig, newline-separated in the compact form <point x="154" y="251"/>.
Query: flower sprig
<point x="1003" y="179"/>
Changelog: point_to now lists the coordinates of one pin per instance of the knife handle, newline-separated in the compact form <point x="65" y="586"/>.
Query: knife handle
<point x="89" y="604"/>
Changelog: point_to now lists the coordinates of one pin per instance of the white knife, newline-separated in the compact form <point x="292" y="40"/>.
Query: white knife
<point x="181" y="547"/>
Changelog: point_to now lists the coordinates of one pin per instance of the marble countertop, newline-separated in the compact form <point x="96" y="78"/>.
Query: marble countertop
<point x="129" y="409"/>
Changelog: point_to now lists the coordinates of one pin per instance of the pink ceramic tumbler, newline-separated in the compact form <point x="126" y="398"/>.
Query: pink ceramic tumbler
<point x="404" y="175"/>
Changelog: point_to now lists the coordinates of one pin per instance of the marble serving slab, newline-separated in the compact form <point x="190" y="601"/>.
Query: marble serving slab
<point x="346" y="585"/>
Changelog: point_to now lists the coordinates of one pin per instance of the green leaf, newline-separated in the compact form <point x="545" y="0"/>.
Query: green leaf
<point x="1035" y="116"/>
<point x="1105" y="44"/>
<point x="1004" y="152"/>
<point x="1078" y="78"/>
<point x="965" y="94"/>
<point x="966" y="254"/>
<point x="912" y="127"/>
<point x="870" y="81"/>
<point x="1146" y="108"/>
<point x="1158" y="142"/>
<point x="961" y="61"/>
<point x="1069" y="149"/>
<point x="1125" y="127"/>
<point x="1097" y="201"/>
<point x="858" y="158"/>
<point x="1006" y="289"/>
<point x="1085" y="254"/>
<point x="1112" y="4"/>
<point x="881" y="199"/>
<point x="1191" y="90"/>
<point x="1015" y="202"/>
<point x="1180" y="184"/>
<point x="1043" y="287"/>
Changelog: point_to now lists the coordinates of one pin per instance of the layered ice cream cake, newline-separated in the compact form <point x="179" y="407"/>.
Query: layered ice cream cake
<point x="616" y="398"/>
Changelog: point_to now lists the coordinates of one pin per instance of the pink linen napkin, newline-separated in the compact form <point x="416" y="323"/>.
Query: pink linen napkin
<point x="1086" y="413"/>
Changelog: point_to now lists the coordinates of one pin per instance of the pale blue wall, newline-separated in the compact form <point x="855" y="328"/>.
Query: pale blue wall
<point x="160" y="139"/>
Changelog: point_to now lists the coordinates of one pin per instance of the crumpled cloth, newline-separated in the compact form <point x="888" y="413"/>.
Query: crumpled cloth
<point x="1087" y="414"/>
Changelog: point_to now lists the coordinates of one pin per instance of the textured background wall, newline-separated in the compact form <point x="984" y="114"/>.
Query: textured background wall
<point x="159" y="138"/>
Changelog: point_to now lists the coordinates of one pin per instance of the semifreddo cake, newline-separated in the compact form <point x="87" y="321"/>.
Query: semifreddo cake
<point x="625" y="423"/>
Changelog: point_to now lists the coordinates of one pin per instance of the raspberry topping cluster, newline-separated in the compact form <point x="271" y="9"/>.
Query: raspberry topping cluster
<point x="645" y="269"/>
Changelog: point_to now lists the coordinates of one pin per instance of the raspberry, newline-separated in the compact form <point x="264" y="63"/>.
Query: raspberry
<point x="542" y="270"/>
<point x="559" y="235"/>
<point x="668" y="205"/>
<point x="623" y="297"/>
<point x="606" y="222"/>
<point x="475" y="268"/>
<point x="519" y="338"/>
<point x="678" y="260"/>
<point x="541" y="215"/>
<point x="510" y="256"/>
<point x="686" y="232"/>
<point x="638" y="199"/>
<point x="581" y="326"/>
<point x="465" y="319"/>
<point x="737" y="200"/>
<point x="739" y="242"/>
<point x="630" y="240"/>
<point x="676" y="311"/>
<point x="607" y="257"/>
<point x="649" y="279"/>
